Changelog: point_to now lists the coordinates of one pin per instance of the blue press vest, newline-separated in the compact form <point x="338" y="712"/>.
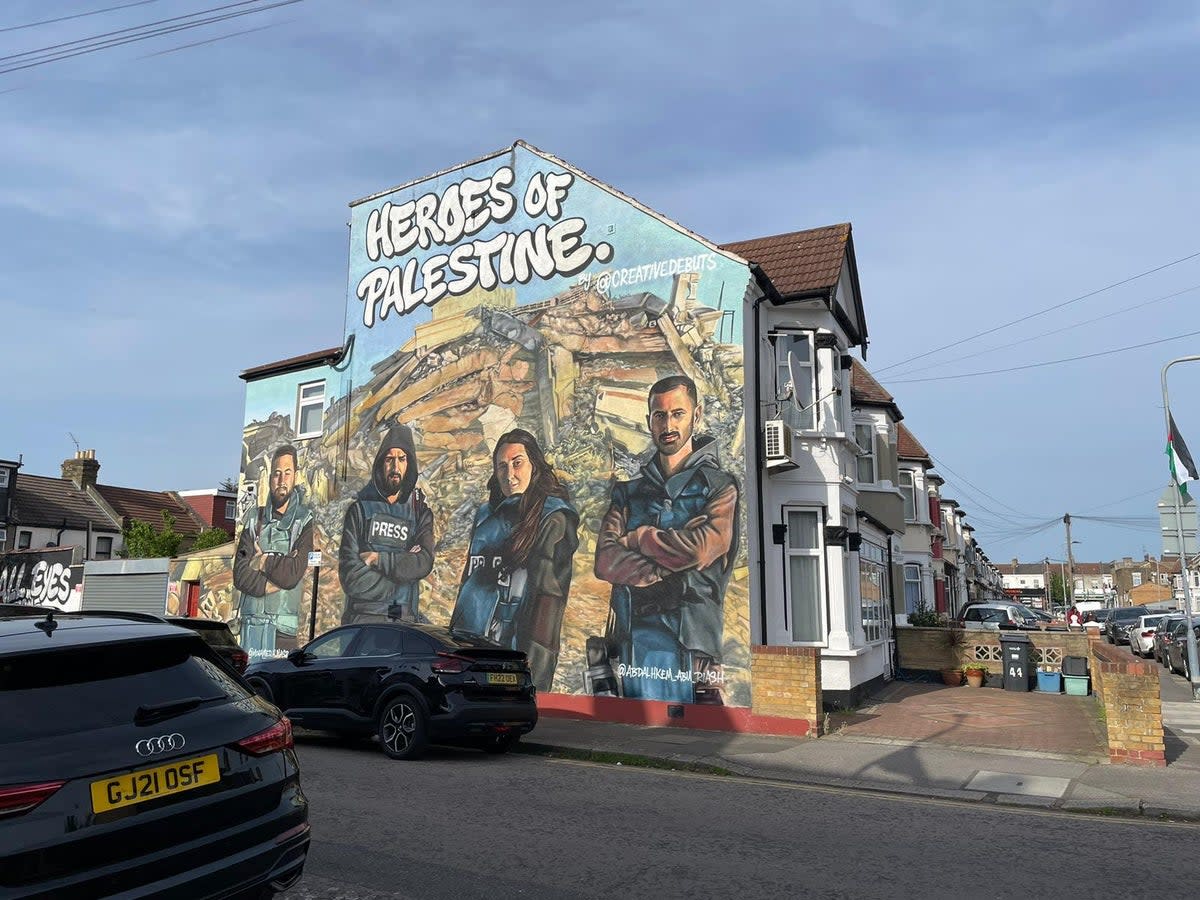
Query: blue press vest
<point x="484" y="596"/>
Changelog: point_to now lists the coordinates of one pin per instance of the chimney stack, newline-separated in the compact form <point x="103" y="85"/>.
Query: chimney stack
<point x="82" y="470"/>
<point x="1015" y="564"/>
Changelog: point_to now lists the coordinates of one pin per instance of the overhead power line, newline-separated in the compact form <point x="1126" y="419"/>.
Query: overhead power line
<point x="1049" y="362"/>
<point x="124" y="36"/>
<point x="222" y="37"/>
<point x="1046" y="334"/>
<point x="1041" y="312"/>
<point x="82" y="15"/>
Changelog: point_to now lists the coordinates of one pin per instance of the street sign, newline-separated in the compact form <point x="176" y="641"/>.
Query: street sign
<point x="314" y="557"/>
<point x="1169" y="527"/>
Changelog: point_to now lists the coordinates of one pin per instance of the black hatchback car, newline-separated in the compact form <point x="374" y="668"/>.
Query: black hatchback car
<point x="134" y="762"/>
<point x="408" y="684"/>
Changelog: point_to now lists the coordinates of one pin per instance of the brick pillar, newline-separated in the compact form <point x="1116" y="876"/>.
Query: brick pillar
<point x="1129" y="690"/>
<point x="786" y="682"/>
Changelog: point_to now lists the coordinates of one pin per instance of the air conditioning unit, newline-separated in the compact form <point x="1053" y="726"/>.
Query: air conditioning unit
<point x="778" y="441"/>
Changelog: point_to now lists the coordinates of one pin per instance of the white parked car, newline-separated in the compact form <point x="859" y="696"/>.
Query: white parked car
<point x="1141" y="634"/>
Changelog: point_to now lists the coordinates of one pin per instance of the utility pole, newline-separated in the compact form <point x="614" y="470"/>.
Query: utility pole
<point x="1070" y="591"/>
<point x="1193" y="674"/>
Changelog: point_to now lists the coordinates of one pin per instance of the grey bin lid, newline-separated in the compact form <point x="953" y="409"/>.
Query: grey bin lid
<point x="1016" y="638"/>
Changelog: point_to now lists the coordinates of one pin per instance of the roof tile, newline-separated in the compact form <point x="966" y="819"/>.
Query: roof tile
<point x="798" y="262"/>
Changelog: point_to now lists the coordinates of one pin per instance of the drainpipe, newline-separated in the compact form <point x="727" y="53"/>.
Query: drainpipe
<point x="58" y="537"/>
<point x="769" y="292"/>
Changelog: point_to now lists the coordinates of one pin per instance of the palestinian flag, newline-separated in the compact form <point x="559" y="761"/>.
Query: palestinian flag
<point x="1183" y="469"/>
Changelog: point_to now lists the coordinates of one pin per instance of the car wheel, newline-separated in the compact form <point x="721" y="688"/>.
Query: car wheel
<point x="402" y="729"/>
<point x="501" y="743"/>
<point x="261" y="688"/>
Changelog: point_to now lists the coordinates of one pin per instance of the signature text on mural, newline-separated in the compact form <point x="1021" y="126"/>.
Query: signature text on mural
<point x="449" y="219"/>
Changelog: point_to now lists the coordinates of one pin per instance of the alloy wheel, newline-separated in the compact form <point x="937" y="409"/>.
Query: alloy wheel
<point x="399" y="728"/>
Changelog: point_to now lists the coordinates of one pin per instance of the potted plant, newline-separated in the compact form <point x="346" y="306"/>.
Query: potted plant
<point x="976" y="673"/>
<point x="952" y="677"/>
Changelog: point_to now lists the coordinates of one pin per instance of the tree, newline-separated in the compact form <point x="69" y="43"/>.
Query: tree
<point x="1058" y="593"/>
<point x="229" y="484"/>
<point x="143" y="542"/>
<point x="209" y="538"/>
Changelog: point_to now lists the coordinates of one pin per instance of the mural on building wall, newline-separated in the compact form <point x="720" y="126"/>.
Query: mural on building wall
<point x="538" y="437"/>
<point x="42" y="578"/>
<point x="211" y="571"/>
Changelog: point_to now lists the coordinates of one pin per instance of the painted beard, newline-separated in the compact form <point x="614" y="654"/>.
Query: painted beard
<point x="280" y="496"/>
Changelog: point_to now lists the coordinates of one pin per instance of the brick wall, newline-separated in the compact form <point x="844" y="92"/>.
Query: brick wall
<point x="1129" y="690"/>
<point x="926" y="648"/>
<point x="786" y="682"/>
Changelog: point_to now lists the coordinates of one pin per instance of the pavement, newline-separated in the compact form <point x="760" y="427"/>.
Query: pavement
<point x="974" y="745"/>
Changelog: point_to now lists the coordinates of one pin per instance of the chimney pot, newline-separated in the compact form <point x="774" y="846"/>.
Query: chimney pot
<point x="82" y="470"/>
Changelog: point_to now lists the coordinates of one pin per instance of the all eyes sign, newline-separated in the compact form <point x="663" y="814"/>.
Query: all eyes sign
<point x="41" y="579"/>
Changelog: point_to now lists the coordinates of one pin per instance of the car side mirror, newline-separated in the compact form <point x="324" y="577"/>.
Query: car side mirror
<point x="297" y="656"/>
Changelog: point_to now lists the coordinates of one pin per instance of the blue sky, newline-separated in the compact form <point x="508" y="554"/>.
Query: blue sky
<point x="169" y="221"/>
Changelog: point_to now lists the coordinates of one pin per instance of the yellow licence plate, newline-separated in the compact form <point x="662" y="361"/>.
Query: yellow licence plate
<point x="147" y="784"/>
<point x="502" y="678"/>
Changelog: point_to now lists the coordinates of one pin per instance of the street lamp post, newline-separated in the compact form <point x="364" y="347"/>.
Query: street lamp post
<point x="1193" y="674"/>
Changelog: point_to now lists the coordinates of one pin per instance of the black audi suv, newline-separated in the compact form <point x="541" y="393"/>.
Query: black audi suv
<point x="134" y="762"/>
<point x="408" y="684"/>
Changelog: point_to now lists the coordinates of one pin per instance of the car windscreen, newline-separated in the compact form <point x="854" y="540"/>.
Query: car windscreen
<point x="81" y="688"/>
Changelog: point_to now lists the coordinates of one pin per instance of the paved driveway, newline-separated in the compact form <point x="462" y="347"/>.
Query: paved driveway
<point x="979" y="717"/>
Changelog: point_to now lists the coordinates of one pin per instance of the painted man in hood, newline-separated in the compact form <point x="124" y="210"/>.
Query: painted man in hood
<point x="667" y="545"/>
<point x="271" y="560"/>
<point x="387" y="538"/>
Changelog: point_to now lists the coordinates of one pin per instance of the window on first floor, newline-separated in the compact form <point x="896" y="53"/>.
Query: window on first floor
<point x="3" y="477"/>
<point x="805" y="577"/>
<point x="864" y="436"/>
<point x="913" y="588"/>
<point x="795" y="377"/>
<point x="872" y="590"/>
<point x="230" y="510"/>
<point x="310" y="408"/>
<point x="24" y="539"/>
<point x="104" y="545"/>
<point x="909" y="491"/>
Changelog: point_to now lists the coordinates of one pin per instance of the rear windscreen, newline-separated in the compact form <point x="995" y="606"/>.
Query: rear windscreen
<point x="72" y="690"/>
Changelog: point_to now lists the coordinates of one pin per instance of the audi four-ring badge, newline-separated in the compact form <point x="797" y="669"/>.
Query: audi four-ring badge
<point x="162" y="739"/>
<point x="160" y="744"/>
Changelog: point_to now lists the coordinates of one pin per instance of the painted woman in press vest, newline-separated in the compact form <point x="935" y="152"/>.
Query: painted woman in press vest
<point x="518" y="572"/>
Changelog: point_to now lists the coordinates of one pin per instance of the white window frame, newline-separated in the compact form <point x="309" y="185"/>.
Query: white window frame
<point x="868" y="452"/>
<point x="303" y="403"/>
<point x="4" y="477"/>
<point x="909" y="492"/>
<point x="230" y="509"/>
<point x="873" y="557"/>
<point x="919" y="581"/>
<point x="790" y="410"/>
<point x="817" y="553"/>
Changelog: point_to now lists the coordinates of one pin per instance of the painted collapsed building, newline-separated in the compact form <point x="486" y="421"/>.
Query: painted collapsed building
<point x="534" y="430"/>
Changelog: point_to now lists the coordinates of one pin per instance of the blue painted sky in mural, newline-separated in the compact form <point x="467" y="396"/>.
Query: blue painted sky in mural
<point x="168" y="220"/>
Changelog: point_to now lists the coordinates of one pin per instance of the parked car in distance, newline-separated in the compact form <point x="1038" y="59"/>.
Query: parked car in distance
<point x="134" y="763"/>
<point x="408" y="684"/>
<point x="218" y="636"/>
<point x="1177" y="648"/>
<point x="1141" y="634"/>
<point x="1162" y="636"/>
<point x="1118" y="621"/>
<point x="995" y="615"/>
